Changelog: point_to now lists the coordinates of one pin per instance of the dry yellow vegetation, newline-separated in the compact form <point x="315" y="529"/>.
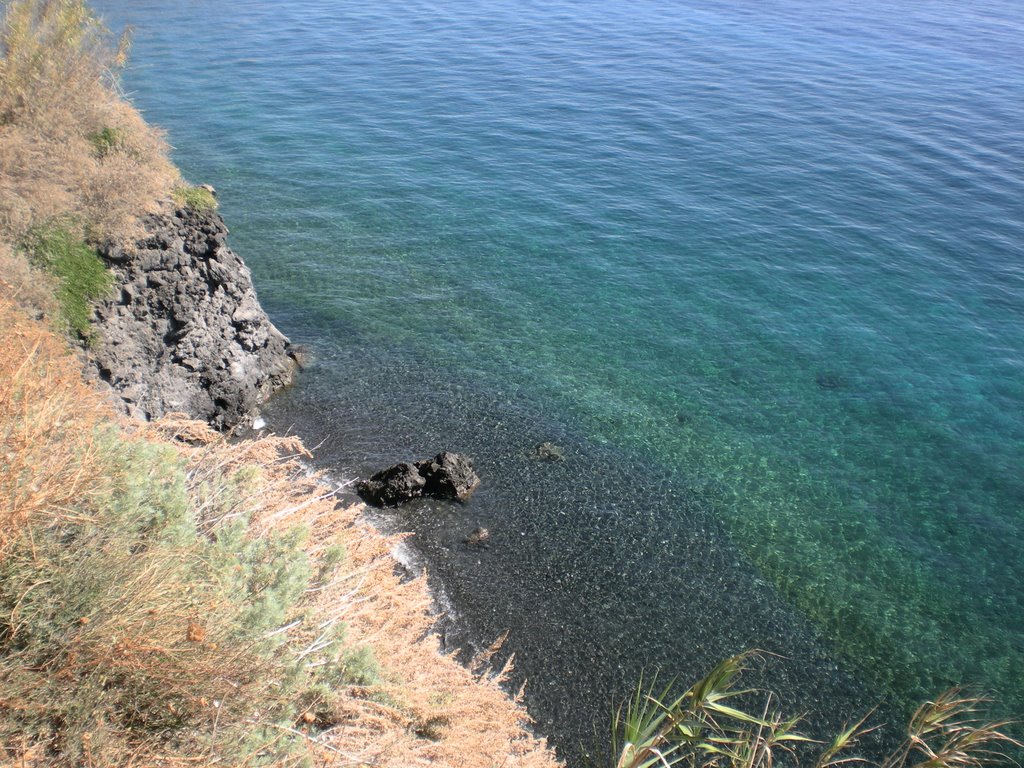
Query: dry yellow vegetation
<point x="170" y="598"/>
<point x="70" y="146"/>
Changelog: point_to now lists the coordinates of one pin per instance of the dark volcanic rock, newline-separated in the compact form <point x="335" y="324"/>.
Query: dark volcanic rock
<point x="393" y="485"/>
<point x="446" y="476"/>
<point x="449" y="476"/>
<point x="185" y="332"/>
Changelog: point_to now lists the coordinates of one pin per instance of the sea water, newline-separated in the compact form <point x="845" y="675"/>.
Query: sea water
<point x="756" y="265"/>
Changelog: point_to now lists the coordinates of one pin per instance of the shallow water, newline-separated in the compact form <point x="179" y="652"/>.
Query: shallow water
<point x="758" y="266"/>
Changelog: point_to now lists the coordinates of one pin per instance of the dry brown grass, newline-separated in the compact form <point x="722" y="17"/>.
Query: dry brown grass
<point x="30" y="288"/>
<point x="48" y="417"/>
<point x="57" y="98"/>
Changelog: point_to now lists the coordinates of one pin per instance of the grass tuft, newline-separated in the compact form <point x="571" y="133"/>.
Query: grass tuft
<point x="105" y="141"/>
<point x="196" y="198"/>
<point x="30" y="287"/>
<point x="81" y="274"/>
<point x="69" y="144"/>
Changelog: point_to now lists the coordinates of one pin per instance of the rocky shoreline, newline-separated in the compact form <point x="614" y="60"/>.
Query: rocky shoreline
<point x="183" y="330"/>
<point x="183" y="334"/>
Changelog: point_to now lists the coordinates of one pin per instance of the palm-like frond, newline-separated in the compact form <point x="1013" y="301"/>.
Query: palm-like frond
<point x="708" y="726"/>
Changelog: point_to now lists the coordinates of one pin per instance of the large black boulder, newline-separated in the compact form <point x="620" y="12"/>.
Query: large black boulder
<point x="446" y="476"/>
<point x="393" y="485"/>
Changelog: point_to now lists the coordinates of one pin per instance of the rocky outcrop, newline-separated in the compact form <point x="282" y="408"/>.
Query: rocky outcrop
<point x="446" y="476"/>
<point x="185" y="331"/>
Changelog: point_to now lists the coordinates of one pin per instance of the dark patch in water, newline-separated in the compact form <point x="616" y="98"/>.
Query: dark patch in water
<point x="830" y="380"/>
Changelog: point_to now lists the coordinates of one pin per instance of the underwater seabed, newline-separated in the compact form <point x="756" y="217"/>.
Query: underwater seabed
<point x="600" y="567"/>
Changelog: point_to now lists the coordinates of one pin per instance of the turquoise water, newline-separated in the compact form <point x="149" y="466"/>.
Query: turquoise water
<point x="758" y="265"/>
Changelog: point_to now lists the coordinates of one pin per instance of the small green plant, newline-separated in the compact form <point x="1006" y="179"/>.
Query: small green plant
<point x="359" y="667"/>
<point x="106" y="141"/>
<point x="709" y="725"/>
<point x="333" y="557"/>
<point x="81" y="274"/>
<point x="196" y="198"/>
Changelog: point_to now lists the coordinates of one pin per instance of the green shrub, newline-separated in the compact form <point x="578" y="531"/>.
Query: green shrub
<point x="106" y="141"/>
<point x="196" y="198"/>
<point x="360" y="667"/>
<point x="332" y="557"/>
<point x="81" y="274"/>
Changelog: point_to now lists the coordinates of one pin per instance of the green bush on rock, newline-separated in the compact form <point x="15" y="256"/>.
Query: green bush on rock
<point x="196" y="198"/>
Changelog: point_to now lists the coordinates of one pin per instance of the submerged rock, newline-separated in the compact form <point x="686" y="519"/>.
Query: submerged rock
<point x="446" y="476"/>
<point x="185" y="331"/>
<point x="478" y="538"/>
<point x="830" y="380"/>
<point x="302" y="355"/>
<point x="548" y="451"/>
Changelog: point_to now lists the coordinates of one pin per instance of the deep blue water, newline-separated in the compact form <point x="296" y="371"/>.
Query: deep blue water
<point x="757" y="264"/>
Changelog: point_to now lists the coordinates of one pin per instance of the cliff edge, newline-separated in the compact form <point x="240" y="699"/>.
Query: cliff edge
<point x="183" y="330"/>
